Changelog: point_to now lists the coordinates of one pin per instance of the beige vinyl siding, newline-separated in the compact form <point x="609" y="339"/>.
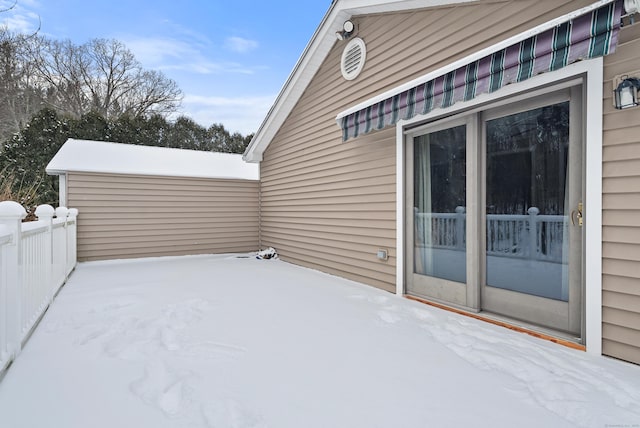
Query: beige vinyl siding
<point x="331" y="205"/>
<point x="621" y="209"/>
<point x="335" y="217"/>
<point x="126" y="216"/>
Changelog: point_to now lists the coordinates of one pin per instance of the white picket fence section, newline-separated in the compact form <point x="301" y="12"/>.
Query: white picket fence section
<point x="36" y="259"/>
<point x="531" y="236"/>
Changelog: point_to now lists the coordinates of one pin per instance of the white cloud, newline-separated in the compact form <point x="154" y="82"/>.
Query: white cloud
<point x="240" y="45"/>
<point x="242" y="114"/>
<point x="186" y="32"/>
<point x="30" y="3"/>
<point x="182" y="55"/>
<point x="157" y="50"/>
<point x="205" y="101"/>
<point x="21" y="21"/>
<point x="19" y="16"/>
<point x="207" y="67"/>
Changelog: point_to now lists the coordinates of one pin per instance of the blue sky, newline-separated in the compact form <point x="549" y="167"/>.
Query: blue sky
<point x="229" y="57"/>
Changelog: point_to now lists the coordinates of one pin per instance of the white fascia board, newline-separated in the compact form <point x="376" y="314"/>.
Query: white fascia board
<point x="54" y="172"/>
<point x="362" y="7"/>
<point x="313" y="57"/>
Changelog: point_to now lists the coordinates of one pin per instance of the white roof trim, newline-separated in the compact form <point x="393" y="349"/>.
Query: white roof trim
<point x="473" y="57"/>
<point x="314" y="55"/>
<point x="117" y="158"/>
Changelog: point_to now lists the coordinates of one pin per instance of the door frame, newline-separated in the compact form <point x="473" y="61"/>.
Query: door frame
<point x="591" y="73"/>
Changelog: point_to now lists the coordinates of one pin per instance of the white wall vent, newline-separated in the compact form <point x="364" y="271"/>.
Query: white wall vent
<point x="353" y="58"/>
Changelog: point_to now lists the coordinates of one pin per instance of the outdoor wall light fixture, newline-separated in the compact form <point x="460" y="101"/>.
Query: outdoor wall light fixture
<point x="346" y="32"/>
<point x="626" y="94"/>
<point x="632" y="6"/>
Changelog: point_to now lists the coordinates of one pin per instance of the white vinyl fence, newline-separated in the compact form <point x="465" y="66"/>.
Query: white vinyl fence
<point x="36" y="259"/>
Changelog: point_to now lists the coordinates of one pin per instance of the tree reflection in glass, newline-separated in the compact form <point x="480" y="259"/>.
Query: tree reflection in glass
<point x="439" y="201"/>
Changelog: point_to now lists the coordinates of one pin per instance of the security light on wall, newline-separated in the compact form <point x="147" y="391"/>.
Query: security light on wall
<point x="626" y="92"/>
<point x="347" y="30"/>
<point x="348" y="27"/>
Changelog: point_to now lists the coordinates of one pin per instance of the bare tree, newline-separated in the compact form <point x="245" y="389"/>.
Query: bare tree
<point x="153" y="93"/>
<point x="20" y="94"/>
<point x="101" y="76"/>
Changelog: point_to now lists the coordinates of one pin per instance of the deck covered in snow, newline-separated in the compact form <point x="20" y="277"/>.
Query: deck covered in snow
<point x="235" y="342"/>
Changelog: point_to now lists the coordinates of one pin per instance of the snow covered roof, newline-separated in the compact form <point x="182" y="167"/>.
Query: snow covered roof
<point x="117" y="158"/>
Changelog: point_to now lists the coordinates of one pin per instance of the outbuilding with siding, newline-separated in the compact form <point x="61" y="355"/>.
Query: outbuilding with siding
<point x="421" y="91"/>
<point x="141" y="201"/>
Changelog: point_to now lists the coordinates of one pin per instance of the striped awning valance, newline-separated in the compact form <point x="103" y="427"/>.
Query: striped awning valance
<point x="590" y="35"/>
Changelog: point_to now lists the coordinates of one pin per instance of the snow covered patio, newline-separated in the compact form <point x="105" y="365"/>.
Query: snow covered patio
<point x="224" y="341"/>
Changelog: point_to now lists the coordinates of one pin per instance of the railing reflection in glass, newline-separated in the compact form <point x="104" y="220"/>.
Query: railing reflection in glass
<point x="536" y="240"/>
<point x="440" y="187"/>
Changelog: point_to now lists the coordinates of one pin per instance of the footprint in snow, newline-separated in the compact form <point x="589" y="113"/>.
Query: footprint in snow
<point x="97" y="333"/>
<point x="422" y="314"/>
<point x="372" y="299"/>
<point x="212" y="351"/>
<point x="228" y="413"/>
<point x="115" y="306"/>
<point x="169" y="339"/>
<point x="379" y="299"/>
<point x="187" y="312"/>
<point x="162" y="388"/>
<point x="170" y="401"/>
<point x="389" y="317"/>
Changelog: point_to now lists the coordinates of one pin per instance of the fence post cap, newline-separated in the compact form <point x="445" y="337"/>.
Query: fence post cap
<point x="12" y="210"/>
<point x="45" y="211"/>
<point x="73" y="212"/>
<point x="533" y="211"/>
<point x="62" y="212"/>
<point x="460" y="209"/>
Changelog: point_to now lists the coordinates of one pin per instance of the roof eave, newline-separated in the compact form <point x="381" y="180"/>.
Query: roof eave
<point x="265" y="132"/>
<point x="314" y="55"/>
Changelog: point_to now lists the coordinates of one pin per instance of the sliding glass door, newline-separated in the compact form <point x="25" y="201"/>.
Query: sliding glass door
<point x="495" y="211"/>
<point x="533" y="187"/>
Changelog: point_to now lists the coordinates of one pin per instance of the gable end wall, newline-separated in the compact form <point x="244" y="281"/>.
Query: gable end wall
<point x="330" y="205"/>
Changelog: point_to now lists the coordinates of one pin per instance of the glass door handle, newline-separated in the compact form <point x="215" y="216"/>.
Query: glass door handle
<point x="577" y="215"/>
